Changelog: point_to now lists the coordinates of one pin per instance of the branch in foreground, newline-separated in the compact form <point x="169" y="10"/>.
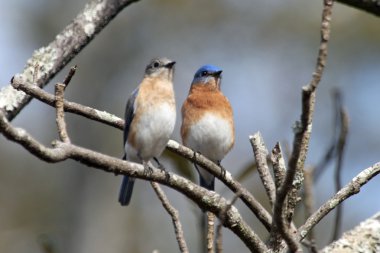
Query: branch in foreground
<point x="219" y="238"/>
<point x="205" y="199"/>
<point x="66" y="45"/>
<point x="364" y="238"/>
<point x="261" y="153"/>
<point x="347" y="191"/>
<point x="175" y="217"/>
<point x="287" y="194"/>
<point x="260" y="212"/>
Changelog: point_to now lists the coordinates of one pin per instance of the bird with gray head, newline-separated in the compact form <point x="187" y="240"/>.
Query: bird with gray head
<point x="150" y="117"/>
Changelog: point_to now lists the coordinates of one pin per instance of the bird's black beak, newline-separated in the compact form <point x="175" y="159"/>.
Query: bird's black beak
<point x="170" y="65"/>
<point x="217" y="73"/>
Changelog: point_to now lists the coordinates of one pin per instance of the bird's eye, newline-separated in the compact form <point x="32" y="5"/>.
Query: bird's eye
<point x="204" y="73"/>
<point x="156" y="64"/>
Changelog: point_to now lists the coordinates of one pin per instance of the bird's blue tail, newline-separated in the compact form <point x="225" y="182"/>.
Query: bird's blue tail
<point x="210" y="185"/>
<point x="126" y="190"/>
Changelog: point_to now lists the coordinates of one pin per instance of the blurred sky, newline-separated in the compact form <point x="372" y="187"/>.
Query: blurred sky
<point x="267" y="50"/>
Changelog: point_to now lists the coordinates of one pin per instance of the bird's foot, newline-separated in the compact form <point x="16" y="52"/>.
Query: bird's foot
<point x="147" y="169"/>
<point x="222" y="170"/>
<point x="162" y="168"/>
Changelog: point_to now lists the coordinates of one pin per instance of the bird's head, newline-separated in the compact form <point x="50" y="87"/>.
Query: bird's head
<point x="160" y="68"/>
<point x="208" y="75"/>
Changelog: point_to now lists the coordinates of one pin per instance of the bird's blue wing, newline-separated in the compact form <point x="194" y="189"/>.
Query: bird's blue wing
<point x="129" y="113"/>
<point x="126" y="189"/>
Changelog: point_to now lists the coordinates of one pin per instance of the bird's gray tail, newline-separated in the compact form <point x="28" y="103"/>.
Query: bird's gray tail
<point x="210" y="185"/>
<point x="126" y="190"/>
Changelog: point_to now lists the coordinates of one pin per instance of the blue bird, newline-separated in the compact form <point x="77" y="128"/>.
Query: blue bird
<point x="150" y="116"/>
<point x="207" y="120"/>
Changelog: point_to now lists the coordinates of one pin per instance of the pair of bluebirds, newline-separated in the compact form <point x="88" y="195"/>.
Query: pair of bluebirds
<point x="150" y="115"/>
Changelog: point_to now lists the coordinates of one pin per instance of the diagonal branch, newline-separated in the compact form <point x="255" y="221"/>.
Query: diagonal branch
<point x="206" y="200"/>
<point x="347" y="191"/>
<point x="173" y="146"/>
<point x="175" y="217"/>
<point x="66" y="45"/>
<point x="104" y="117"/>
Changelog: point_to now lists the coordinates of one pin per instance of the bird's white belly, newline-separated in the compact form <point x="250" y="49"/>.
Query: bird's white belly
<point x="212" y="136"/>
<point x="154" y="129"/>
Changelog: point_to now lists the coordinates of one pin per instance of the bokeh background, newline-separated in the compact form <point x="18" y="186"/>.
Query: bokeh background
<point x="267" y="50"/>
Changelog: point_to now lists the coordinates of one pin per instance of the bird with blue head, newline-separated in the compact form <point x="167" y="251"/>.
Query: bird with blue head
<point x="207" y="120"/>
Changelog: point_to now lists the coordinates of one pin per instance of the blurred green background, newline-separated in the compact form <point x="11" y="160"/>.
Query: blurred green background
<point x="267" y="50"/>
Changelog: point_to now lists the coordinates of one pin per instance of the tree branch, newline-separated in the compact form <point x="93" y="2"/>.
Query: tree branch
<point x="364" y="238"/>
<point x="174" y="215"/>
<point x="218" y="239"/>
<point x="173" y="146"/>
<point x="261" y="153"/>
<point x="347" y="191"/>
<point x="294" y="176"/>
<point x="104" y="117"/>
<point x="206" y="200"/>
<point x="66" y="45"/>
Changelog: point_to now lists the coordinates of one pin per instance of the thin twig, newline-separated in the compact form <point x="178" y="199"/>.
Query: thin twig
<point x="206" y="200"/>
<point x="332" y="150"/>
<point x="338" y="169"/>
<point x="174" y="215"/>
<point x="70" y="75"/>
<point x="60" y="114"/>
<point x="88" y="112"/>
<point x="210" y="232"/>
<point x="219" y="236"/>
<point x="59" y="105"/>
<point x="261" y="153"/>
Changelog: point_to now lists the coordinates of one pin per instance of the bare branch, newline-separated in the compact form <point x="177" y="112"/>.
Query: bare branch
<point x="218" y="239"/>
<point x="279" y="168"/>
<point x="363" y="238"/>
<point x="228" y="180"/>
<point x="210" y="232"/>
<point x="294" y="176"/>
<point x="60" y="114"/>
<point x="104" y="117"/>
<point x="173" y="146"/>
<point x="174" y="215"/>
<point x="339" y="164"/>
<point x="347" y="191"/>
<point x="279" y="171"/>
<point x="66" y="45"/>
<point x="261" y="153"/>
<point x="206" y="200"/>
